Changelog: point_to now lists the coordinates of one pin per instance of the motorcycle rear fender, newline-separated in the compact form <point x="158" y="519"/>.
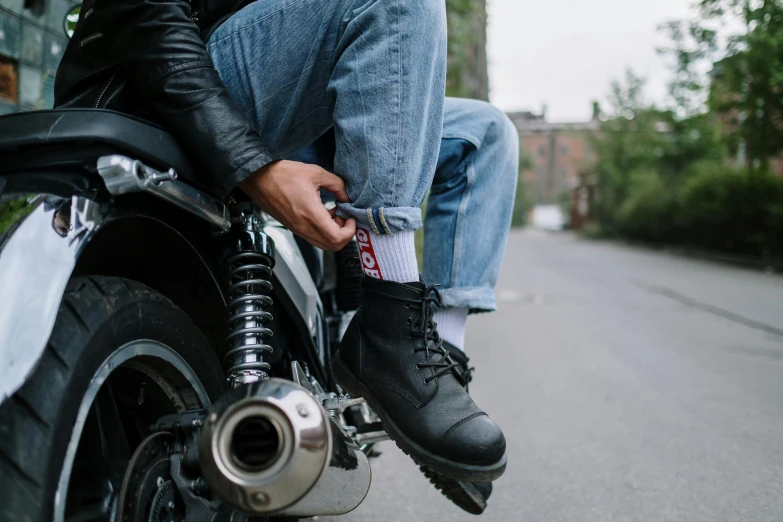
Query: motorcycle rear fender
<point x="40" y="242"/>
<point x="46" y="240"/>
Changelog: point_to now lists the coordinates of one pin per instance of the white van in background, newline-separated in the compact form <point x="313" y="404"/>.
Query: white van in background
<point x="549" y="217"/>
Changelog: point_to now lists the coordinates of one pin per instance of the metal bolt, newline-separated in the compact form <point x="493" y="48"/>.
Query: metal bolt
<point x="199" y="486"/>
<point x="171" y="505"/>
<point x="302" y="410"/>
<point x="212" y="419"/>
<point x="260" y="498"/>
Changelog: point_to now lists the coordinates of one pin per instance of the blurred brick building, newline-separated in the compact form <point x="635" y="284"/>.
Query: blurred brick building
<point x="32" y="41"/>
<point x="554" y="155"/>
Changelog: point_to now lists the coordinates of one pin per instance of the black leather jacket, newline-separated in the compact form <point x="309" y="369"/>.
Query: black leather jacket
<point x="148" y="58"/>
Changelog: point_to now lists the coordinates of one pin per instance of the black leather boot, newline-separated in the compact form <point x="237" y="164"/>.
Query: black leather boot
<point x="470" y="496"/>
<point x="392" y="356"/>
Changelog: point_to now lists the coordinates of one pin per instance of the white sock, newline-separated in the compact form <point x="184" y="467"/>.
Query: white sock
<point x="391" y="257"/>
<point x="451" y="325"/>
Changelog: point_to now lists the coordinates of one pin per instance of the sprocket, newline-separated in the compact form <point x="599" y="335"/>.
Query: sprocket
<point x="148" y="493"/>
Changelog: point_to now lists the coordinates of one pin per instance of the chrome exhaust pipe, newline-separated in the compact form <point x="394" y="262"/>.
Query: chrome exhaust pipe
<point x="269" y="448"/>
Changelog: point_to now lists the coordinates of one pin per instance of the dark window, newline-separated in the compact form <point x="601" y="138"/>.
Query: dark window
<point x="35" y="6"/>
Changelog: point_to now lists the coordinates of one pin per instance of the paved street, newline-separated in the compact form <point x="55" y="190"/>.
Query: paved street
<point x="631" y="385"/>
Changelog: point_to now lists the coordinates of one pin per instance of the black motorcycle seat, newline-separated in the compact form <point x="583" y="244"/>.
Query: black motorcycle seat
<point x="139" y="139"/>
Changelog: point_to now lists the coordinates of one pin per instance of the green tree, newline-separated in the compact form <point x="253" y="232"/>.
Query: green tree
<point x="467" y="74"/>
<point x="665" y="175"/>
<point x="746" y="82"/>
<point x="626" y="147"/>
<point x="523" y="200"/>
<point x="644" y="155"/>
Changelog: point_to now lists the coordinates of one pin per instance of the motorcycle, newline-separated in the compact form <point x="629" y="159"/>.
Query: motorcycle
<point x="164" y="355"/>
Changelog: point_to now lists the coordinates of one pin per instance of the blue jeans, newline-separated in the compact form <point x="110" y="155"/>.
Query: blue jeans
<point x="367" y="77"/>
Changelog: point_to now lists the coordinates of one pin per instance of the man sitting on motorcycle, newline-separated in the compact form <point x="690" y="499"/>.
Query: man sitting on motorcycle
<point x="247" y="86"/>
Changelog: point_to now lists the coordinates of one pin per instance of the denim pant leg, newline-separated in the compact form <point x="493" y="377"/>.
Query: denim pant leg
<point x="470" y="205"/>
<point x="469" y="208"/>
<point x="373" y="70"/>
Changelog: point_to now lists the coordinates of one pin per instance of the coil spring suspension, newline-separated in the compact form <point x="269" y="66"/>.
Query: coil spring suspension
<point x="249" y="270"/>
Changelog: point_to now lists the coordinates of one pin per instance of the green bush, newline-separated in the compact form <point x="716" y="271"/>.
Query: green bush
<point x="649" y="213"/>
<point x="732" y="210"/>
<point x="715" y="208"/>
<point x="594" y="230"/>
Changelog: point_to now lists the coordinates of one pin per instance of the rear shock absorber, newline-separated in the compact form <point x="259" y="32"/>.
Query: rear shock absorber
<point x="249" y="266"/>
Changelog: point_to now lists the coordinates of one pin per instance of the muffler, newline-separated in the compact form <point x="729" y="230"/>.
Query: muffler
<point x="270" y="448"/>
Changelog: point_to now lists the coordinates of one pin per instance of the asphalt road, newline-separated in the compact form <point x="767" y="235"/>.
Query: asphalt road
<point x="631" y="385"/>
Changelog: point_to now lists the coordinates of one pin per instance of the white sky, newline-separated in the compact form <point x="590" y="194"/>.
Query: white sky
<point x="565" y="53"/>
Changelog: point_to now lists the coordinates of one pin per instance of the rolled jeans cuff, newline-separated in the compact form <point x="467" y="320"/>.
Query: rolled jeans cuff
<point x="382" y="221"/>
<point x="477" y="299"/>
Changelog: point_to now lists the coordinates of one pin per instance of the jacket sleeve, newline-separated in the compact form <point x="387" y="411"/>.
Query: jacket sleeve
<point x="168" y="63"/>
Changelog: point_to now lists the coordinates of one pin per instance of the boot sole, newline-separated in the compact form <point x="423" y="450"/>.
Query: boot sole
<point x="463" y="494"/>
<point x="448" y="468"/>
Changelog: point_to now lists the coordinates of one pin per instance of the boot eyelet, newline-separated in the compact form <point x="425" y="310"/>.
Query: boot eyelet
<point x="409" y="320"/>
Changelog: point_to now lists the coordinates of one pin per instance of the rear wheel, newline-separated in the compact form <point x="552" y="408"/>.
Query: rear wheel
<point x="120" y="356"/>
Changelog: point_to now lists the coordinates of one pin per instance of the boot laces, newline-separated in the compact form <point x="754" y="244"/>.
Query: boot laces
<point x="424" y="326"/>
<point x="467" y="374"/>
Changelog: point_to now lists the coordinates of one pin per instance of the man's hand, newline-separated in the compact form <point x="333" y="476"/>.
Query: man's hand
<point x="290" y="192"/>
